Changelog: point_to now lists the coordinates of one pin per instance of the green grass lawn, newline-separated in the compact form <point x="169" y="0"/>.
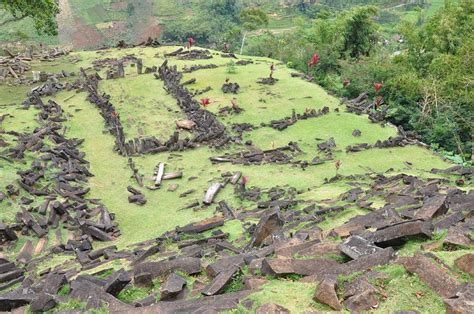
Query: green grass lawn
<point x="147" y="110"/>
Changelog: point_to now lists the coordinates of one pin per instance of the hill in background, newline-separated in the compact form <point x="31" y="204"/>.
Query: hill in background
<point x="98" y="23"/>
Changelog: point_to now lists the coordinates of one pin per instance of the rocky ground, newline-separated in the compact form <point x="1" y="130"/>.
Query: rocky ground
<point x="156" y="179"/>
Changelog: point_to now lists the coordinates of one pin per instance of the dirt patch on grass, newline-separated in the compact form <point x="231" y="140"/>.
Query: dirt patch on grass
<point x="85" y="36"/>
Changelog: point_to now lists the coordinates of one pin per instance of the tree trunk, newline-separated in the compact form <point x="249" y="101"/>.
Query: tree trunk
<point x="243" y="43"/>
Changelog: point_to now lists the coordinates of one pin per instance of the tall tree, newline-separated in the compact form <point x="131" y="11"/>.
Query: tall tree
<point x="43" y="13"/>
<point x="360" y="31"/>
<point x="252" y="19"/>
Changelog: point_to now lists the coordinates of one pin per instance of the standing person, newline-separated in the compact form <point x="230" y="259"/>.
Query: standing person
<point x="272" y="70"/>
<point x="190" y="42"/>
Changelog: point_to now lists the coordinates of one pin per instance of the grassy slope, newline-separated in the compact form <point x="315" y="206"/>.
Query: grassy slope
<point x="137" y="97"/>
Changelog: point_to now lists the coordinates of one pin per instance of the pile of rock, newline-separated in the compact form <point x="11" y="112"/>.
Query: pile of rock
<point x="281" y="155"/>
<point x="190" y="54"/>
<point x="207" y="126"/>
<point x="60" y="175"/>
<point x="232" y="88"/>
<point x="402" y="139"/>
<point x="194" y="68"/>
<point x="282" y="124"/>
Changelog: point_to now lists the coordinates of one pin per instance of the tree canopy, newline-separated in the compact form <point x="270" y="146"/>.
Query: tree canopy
<point x="253" y="18"/>
<point x="43" y="13"/>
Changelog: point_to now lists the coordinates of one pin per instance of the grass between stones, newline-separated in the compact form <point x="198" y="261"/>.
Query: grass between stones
<point x="146" y="110"/>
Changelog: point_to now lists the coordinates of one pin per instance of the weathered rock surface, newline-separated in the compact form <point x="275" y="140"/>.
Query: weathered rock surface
<point x="326" y="293"/>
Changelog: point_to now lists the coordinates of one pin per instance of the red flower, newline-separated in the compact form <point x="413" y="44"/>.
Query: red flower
<point x="346" y="83"/>
<point x="378" y="86"/>
<point x="205" y="102"/>
<point x="314" y="60"/>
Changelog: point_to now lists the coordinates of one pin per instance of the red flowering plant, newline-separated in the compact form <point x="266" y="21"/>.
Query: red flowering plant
<point x="314" y="61"/>
<point x="205" y="102"/>
<point x="378" y="87"/>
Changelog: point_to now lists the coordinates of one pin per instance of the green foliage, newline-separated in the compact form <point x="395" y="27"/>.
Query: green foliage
<point x="294" y="277"/>
<point x="359" y="31"/>
<point x="43" y="13"/>
<point x="132" y="294"/>
<point x="237" y="283"/>
<point x="65" y="290"/>
<point x="253" y="18"/>
<point x="427" y="79"/>
<point x="213" y="23"/>
<point x="231" y="68"/>
<point x="227" y="8"/>
<point x="130" y="9"/>
<point x="72" y="304"/>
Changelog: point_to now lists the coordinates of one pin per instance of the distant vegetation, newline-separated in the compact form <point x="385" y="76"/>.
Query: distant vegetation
<point x="426" y="69"/>
<point x="41" y="12"/>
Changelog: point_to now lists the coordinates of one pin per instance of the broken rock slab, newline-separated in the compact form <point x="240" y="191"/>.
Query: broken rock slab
<point x="221" y="281"/>
<point x="217" y="303"/>
<point x="432" y="207"/>
<point x="188" y="265"/>
<point x="434" y="276"/>
<point x="466" y="263"/>
<point x="271" y="308"/>
<point x="285" y="266"/>
<point x="459" y="236"/>
<point x="16" y="299"/>
<point x="143" y="280"/>
<point x="54" y="281"/>
<point x="172" y="288"/>
<point x="224" y="263"/>
<point x="117" y="282"/>
<point x="366" y="262"/>
<point x="362" y="302"/>
<point x="203" y="225"/>
<point x="42" y="302"/>
<point x="358" y="286"/>
<point x="462" y="302"/>
<point x="95" y="297"/>
<point x="268" y="225"/>
<point x="356" y="247"/>
<point x="326" y="293"/>
<point x="397" y="233"/>
<point x="376" y="219"/>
